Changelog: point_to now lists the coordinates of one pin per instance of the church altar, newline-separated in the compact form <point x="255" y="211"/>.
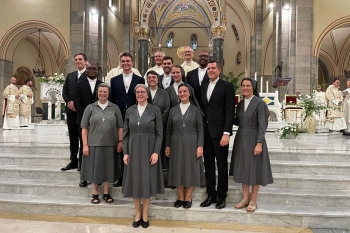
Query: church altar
<point x="52" y="103"/>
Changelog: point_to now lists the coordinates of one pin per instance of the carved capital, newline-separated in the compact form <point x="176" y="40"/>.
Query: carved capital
<point x="45" y="99"/>
<point x="218" y="32"/>
<point x="142" y="33"/>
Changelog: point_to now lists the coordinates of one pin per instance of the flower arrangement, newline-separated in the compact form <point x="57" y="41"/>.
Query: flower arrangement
<point x="310" y="104"/>
<point x="56" y="78"/>
<point x="292" y="129"/>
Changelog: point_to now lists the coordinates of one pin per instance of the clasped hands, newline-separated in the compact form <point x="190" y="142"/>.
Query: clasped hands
<point x="199" y="151"/>
<point x="153" y="160"/>
<point x="70" y="105"/>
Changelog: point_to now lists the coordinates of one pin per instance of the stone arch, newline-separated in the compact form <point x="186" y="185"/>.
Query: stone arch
<point x="21" y="30"/>
<point x="113" y="51"/>
<point x="344" y="21"/>
<point x="150" y="5"/>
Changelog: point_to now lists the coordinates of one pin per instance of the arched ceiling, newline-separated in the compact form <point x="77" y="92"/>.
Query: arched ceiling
<point x="335" y="48"/>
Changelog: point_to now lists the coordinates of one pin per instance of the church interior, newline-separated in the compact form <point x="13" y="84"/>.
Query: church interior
<point x="305" y="40"/>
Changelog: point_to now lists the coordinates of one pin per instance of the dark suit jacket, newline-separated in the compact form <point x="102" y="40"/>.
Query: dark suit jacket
<point x="220" y="110"/>
<point x="118" y="93"/>
<point x="193" y="79"/>
<point x="83" y="96"/>
<point x="160" y="81"/>
<point x="69" y="87"/>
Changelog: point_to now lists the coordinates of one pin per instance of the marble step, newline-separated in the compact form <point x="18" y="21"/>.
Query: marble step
<point x="313" y="167"/>
<point x="60" y="149"/>
<point x="267" y="195"/>
<point x="282" y="180"/>
<point x="310" y="155"/>
<point x="34" y="159"/>
<point x="277" y="215"/>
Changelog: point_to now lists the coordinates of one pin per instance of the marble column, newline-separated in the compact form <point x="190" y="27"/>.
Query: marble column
<point x="218" y="43"/>
<point x="6" y="72"/>
<point x="143" y="34"/>
<point x="256" y="42"/>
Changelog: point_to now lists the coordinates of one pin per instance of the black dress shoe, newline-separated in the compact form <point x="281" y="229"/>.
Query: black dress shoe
<point x="187" y="204"/>
<point x="208" y="202"/>
<point x="136" y="223"/>
<point x="69" y="166"/>
<point x="178" y="204"/>
<point x="221" y="203"/>
<point x="144" y="224"/>
<point x="117" y="184"/>
<point x="79" y="169"/>
<point x="172" y="187"/>
<point x="83" y="183"/>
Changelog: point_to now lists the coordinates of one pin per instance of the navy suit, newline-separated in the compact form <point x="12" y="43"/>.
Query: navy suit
<point x="160" y="81"/>
<point x="73" y="129"/>
<point x="118" y="93"/>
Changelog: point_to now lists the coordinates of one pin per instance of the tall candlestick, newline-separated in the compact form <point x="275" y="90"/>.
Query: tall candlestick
<point x="267" y="86"/>
<point x="256" y="76"/>
<point x="261" y="84"/>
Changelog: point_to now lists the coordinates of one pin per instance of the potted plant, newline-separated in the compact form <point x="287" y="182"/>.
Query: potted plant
<point x="289" y="131"/>
<point x="311" y="106"/>
<point x="230" y="77"/>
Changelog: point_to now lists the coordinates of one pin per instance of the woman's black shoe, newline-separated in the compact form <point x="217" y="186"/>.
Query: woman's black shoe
<point x="187" y="204"/>
<point x="136" y="223"/>
<point x="178" y="203"/>
<point x="144" y="224"/>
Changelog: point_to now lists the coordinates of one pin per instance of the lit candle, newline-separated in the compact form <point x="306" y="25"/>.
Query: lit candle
<point x="255" y="76"/>
<point x="261" y="84"/>
<point x="267" y="86"/>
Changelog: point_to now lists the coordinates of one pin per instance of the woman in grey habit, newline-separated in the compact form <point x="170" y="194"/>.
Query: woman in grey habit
<point x="250" y="163"/>
<point x="142" y="140"/>
<point x="102" y="130"/>
<point x="160" y="98"/>
<point x="184" y="147"/>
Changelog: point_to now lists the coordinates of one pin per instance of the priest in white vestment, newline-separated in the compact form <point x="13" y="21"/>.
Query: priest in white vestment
<point x="25" y="104"/>
<point x="117" y="71"/>
<point x="346" y="107"/>
<point x="188" y="64"/>
<point x="11" y="105"/>
<point x="335" y="120"/>
<point x="158" y="58"/>
<point x="320" y="97"/>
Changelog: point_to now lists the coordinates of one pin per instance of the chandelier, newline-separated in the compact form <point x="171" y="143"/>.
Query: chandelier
<point x="39" y="71"/>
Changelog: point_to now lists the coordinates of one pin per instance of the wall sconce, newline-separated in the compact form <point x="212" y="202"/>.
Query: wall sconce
<point x="114" y="9"/>
<point x="93" y="11"/>
<point x="286" y="4"/>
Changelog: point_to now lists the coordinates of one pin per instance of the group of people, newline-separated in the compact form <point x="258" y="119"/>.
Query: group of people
<point x="17" y="108"/>
<point x="337" y="117"/>
<point x="130" y="132"/>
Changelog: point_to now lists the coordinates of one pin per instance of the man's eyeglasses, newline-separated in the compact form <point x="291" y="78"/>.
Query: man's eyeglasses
<point x="204" y="56"/>
<point x="141" y="92"/>
<point x="91" y="68"/>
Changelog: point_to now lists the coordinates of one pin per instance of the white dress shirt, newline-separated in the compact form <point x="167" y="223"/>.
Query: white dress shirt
<point x="127" y="80"/>
<point x="201" y="73"/>
<point x="166" y="81"/>
<point x="92" y="83"/>
<point x="211" y="87"/>
<point x="80" y="72"/>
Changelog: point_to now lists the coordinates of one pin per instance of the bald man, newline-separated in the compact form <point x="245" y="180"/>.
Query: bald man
<point x="188" y="64"/>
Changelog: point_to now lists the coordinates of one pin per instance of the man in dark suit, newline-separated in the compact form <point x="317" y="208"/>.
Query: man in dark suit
<point x="198" y="77"/>
<point x="68" y="94"/>
<point x="218" y="99"/>
<point x="165" y="80"/>
<point x="122" y="92"/>
<point x="85" y="93"/>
